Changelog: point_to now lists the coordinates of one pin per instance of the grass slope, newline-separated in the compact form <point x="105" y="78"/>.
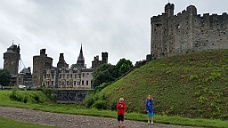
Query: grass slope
<point x="190" y="85"/>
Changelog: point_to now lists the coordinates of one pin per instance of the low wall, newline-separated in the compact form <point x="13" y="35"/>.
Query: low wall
<point x="70" y="96"/>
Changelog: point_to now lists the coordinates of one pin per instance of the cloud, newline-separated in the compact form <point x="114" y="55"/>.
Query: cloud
<point x="120" y="27"/>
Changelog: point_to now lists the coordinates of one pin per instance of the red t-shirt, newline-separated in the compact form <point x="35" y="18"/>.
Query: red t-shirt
<point x="120" y="106"/>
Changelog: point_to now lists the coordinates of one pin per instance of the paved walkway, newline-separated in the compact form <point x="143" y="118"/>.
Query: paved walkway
<point x="72" y="121"/>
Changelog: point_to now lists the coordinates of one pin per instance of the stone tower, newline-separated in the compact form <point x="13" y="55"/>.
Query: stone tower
<point x="96" y="62"/>
<point x="11" y="59"/>
<point x="104" y="57"/>
<point x="81" y="60"/>
<point x="169" y="9"/>
<point x="40" y="63"/>
<point x="187" y="31"/>
<point x="62" y="63"/>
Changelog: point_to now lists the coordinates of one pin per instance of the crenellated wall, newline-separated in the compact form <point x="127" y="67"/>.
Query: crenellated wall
<point x="187" y="31"/>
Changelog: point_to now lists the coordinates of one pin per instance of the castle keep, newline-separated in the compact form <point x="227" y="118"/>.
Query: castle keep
<point x="11" y="61"/>
<point x="187" y="31"/>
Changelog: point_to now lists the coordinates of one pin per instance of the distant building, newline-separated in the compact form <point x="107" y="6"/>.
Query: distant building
<point x="41" y="63"/>
<point x="11" y="61"/>
<point x="96" y="62"/>
<point x="62" y="63"/>
<point x="64" y="77"/>
<point x="24" y="77"/>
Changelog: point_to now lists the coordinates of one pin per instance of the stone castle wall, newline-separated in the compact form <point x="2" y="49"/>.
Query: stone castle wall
<point x="187" y="31"/>
<point x="40" y="64"/>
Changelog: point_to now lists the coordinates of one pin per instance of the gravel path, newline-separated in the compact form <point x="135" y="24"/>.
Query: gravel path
<point x="72" y="121"/>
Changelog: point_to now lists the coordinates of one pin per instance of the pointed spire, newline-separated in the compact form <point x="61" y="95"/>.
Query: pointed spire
<point x="81" y="60"/>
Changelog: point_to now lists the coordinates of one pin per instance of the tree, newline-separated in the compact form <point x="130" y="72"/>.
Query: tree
<point x="73" y="66"/>
<point x="107" y="73"/>
<point x="122" y="67"/>
<point x="103" y="74"/>
<point x="4" y="77"/>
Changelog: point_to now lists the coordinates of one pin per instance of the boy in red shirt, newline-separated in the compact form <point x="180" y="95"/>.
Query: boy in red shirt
<point x="120" y="106"/>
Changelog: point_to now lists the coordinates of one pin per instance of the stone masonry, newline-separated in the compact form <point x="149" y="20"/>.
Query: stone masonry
<point x="187" y="31"/>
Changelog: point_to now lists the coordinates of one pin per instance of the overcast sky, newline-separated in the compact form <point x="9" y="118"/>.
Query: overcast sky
<point x="119" y="27"/>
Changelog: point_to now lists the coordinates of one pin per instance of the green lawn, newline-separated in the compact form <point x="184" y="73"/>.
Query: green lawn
<point x="81" y="110"/>
<point x="8" y="123"/>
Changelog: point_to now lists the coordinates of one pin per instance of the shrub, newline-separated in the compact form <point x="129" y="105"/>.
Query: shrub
<point x="100" y="104"/>
<point x="28" y="97"/>
<point x="192" y="77"/>
<point x="89" y="100"/>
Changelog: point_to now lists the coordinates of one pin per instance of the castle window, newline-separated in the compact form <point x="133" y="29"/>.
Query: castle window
<point x="83" y="75"/>
<point x="67" y="82"/>
<point x="87" y="82"/>
<point x="158" y="25"/>
<point x="74" y="82"/>
<point x="67" y="76"/>
<point x="52" y="82"/>
<point x="70" y="75"/>
<point x="83" y="82"/>
<point x="154" y="29"/>
<point x="75" y="75"/>
<point x="213" y="44"/>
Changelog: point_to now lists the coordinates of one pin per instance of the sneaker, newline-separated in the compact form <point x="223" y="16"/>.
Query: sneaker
<point x="148" y="122"/>
<point x="152" y="122"/>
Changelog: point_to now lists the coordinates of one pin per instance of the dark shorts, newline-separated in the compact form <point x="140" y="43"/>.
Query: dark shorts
<point x="120" y="118"/>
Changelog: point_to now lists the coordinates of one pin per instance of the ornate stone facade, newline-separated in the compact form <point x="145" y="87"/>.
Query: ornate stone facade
<point x="62" y="77"/>
<point x="187" y="31"/>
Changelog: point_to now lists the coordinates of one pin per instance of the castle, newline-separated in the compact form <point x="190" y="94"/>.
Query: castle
<point x="187" y="31"/>
<point x="11" y="61"/>
<point x="44" y="74"/>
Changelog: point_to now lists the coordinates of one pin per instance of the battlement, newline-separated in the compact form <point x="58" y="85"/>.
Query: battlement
<point x="172" y="34"/>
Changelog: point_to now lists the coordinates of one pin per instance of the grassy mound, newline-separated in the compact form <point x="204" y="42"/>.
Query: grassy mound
<point x="190" y="85"/>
